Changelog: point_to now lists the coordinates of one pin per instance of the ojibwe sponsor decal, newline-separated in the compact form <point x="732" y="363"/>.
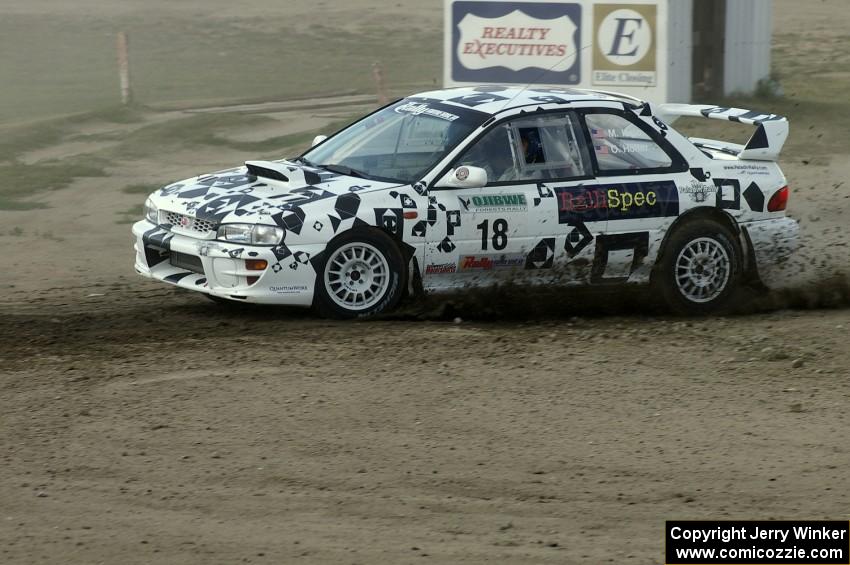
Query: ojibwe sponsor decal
<point x="624" y="201"/>
<point x="493" y="203"/>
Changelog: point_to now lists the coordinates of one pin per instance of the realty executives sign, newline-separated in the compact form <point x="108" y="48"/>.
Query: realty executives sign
<point x="585" y="43"/>
<point x="515" y="41"/>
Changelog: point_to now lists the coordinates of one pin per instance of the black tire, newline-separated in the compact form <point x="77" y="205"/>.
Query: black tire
<point x="687" y="295"/>
<point x="383" y="300"/>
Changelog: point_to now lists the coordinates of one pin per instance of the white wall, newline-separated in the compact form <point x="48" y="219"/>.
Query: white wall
<point x="680" y="37"/>
<point x="747" y="55"/>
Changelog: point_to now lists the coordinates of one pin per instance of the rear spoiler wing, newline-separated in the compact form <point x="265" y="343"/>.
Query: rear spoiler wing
<point x="765" y="144"/>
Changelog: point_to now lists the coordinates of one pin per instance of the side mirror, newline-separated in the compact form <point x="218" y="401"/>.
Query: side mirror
<point x="318" y="139"/>
<point x="464" y="177"/>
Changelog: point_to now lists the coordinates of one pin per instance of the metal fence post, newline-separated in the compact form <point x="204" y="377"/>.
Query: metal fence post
<point x="124" y="68"/>
<point x="380" y="87"/>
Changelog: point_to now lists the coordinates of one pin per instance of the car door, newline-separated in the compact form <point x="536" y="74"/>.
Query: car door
<point x="508" y="229"/>
<point x="636" y="175"/>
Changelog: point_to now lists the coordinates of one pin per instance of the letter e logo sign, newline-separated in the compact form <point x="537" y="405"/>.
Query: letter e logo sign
<point x="625" y="37"/>
<point x="625" y="44"/>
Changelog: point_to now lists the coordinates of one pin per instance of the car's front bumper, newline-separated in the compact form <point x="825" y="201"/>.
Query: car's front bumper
<point x="772" y="242"/>
<point x="220" y="267"/>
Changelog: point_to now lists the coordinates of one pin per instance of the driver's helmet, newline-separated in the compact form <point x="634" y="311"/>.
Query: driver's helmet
<point x="530" y="141"/>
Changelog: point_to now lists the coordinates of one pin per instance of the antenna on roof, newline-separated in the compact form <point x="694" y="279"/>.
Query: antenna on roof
<point x="544" y="73"/>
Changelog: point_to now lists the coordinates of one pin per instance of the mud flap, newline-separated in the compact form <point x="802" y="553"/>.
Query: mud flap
<point x="750" y="276"/>
<point x="415" y="287"/>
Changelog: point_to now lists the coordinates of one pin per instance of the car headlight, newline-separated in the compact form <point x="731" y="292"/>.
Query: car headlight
<point x="253" y="234"/>
<point x="151" y="212"/>
<point x="266" y="235"/>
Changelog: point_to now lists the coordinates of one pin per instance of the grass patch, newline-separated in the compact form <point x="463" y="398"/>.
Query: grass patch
<point x="48" y="235"/>
<point x="210" y="130"/>
<point x="278" y="143"/>
<point x="16" y="140"/>
<point x="61" y="65"/>
<point x="197" y="129"/>
<point x="49" y="175"/>
<point x="140" y="188"/>
<point x="130" y="114"/>
<point x="17" y="205"/>
<point x="130" y="215"/>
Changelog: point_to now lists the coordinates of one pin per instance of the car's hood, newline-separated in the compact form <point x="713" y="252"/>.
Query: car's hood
<point x="259" y="191"/>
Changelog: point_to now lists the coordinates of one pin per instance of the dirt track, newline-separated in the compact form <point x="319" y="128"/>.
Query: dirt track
<point x="140" y="424"/>
<point x="150" y="425"/>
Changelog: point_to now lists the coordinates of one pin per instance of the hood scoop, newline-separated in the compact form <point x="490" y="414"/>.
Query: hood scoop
<point x="282" y="172"/>
<point x="270" y="170"/>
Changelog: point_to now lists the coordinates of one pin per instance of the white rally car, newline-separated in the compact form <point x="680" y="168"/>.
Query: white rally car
<point x="476" y="186"/>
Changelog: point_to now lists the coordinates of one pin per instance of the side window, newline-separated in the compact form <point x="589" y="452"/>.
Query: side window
<point x="543" y="147"/>
<point x="620" y="145"/>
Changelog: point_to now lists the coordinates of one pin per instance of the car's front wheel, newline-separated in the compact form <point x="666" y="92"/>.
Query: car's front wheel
<point x="362" y="275"/>
<point x="700" y="268"/>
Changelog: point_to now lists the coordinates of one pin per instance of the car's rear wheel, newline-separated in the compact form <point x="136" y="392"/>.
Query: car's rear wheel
<point x="700" y="268"/>
<point x="362" y="275"/>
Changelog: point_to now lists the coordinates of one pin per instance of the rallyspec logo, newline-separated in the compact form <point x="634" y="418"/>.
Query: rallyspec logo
<point x="624" y="201"/>
<point x="621" y="201"/>
<point x="582" y="201"/>
<point x="440" y="269"/>
<point x="494" y="203"/>
<point x="492" y="262"/>
<point x="612" y="198"/>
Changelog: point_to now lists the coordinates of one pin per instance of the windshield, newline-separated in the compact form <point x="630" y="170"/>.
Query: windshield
<point x="399" y="143"/>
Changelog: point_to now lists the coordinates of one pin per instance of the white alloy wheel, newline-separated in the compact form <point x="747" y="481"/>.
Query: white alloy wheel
<point x="703" y="268"/>
<point x="357" y="276"/>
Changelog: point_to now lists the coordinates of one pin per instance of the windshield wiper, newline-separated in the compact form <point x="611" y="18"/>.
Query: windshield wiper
<point x="304" y="161"/>
<point x="345" y="170"/>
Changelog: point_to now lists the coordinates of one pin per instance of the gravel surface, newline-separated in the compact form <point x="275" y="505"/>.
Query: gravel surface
<point x="146" y="425"/>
